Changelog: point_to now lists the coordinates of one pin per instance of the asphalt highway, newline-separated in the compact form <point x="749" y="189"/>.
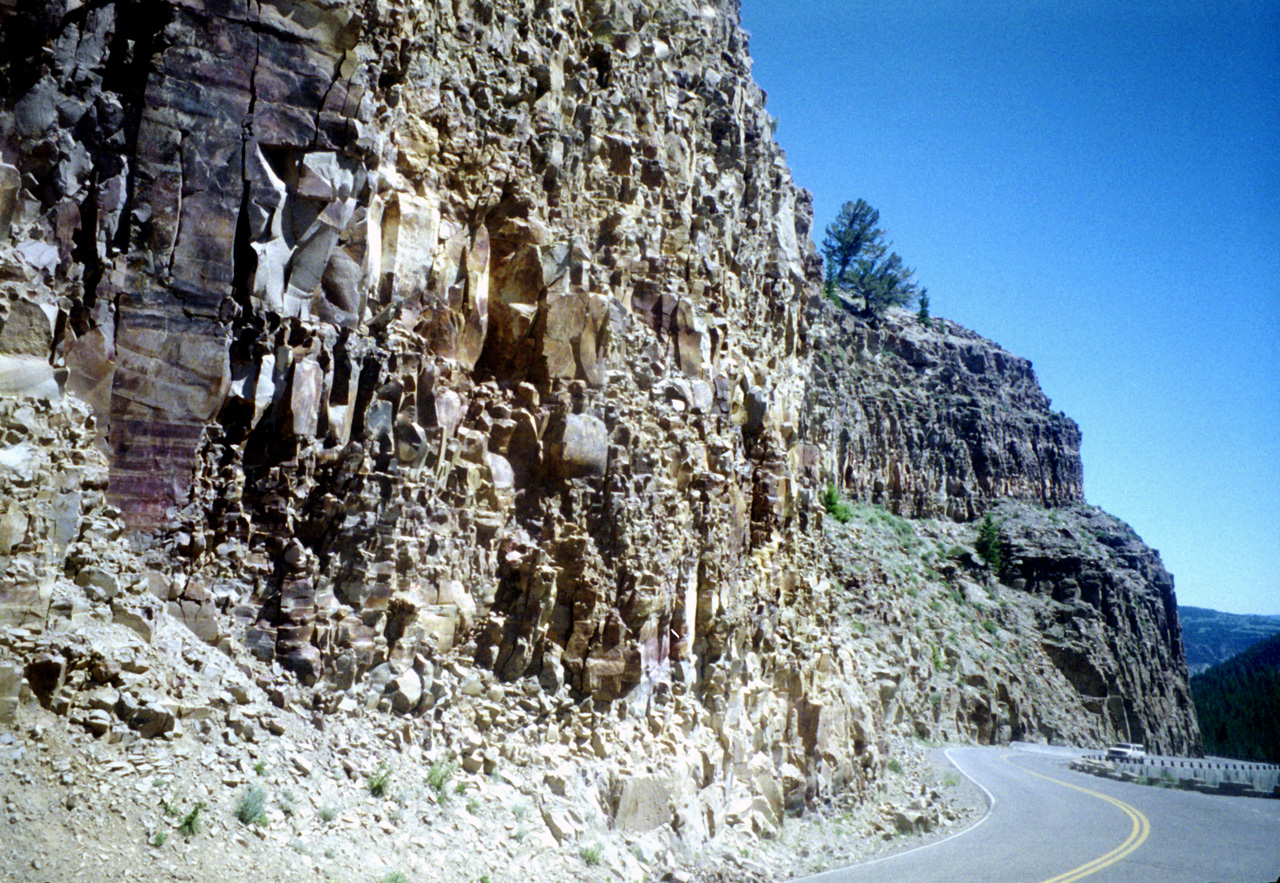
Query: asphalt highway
<point x="1050" y="824"/>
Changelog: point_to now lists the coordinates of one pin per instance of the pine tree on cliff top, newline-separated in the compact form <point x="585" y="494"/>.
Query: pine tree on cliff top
<point x="854" y="253"/>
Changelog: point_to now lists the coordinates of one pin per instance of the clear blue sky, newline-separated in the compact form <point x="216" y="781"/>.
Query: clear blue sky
<point x="1096" y="187"/>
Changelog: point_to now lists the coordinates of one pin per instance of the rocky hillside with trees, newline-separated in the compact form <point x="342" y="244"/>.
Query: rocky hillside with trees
<point x="1213" y="637"/>
<point x="421" y="420"/>
<point x="1238" y="704"/>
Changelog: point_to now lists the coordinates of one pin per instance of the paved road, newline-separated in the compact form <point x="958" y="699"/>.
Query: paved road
<point x="1050" y="824"/>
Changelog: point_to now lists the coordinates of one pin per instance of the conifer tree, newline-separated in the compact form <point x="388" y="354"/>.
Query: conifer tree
<point x="988" y="544"/>
<point x="854" y="251"/>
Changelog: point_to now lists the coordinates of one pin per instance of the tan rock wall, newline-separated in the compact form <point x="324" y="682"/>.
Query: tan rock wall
<point x="477" y="331"/>
<point x="52" y="501"/>
<point x="432" y="329"/>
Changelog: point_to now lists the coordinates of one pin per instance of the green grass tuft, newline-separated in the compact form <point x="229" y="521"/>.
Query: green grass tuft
<point x="379" y="780"/>
<point x="438" y="777"/>
<point x="190" y="824"/>
<point x="251" y="810"/>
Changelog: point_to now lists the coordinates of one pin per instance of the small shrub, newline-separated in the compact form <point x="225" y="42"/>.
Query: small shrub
<point x="438" y="777"/>
<point x="159" y="838"/>
<point x="990" y="626"/>
<point x="951" y="780"/>
<point x="251" y="810"/>
<point x="835" y="507"/>
<point x="460" y="788"/>
<point x="288" y="803"/>
<point x="327" y="812"/>
<point x="260" y="767"/>
<point x="894" y="765"/>
<point x="379" y="780"/>
<point x="473" y="805"/>
<point x="190" y="824"/>
<point x="520" y="811"/>
<point x="395" y="877"/>
<point x="592" y="854"/>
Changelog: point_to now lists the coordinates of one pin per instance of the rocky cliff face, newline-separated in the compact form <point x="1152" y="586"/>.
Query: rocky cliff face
<point x="934" y="421"/>
<point x="413" y="330"/>
<point x="938" y="423"/>
<point x="464" y="361"/>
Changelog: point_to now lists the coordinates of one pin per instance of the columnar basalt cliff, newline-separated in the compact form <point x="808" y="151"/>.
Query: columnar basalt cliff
<point x="466" y="361"/>
<point x="934" y="421"/>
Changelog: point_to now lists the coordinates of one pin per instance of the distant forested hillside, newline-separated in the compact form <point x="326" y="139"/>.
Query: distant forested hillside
<point x="1211" y="636"/>
<point x="1238" y="703"/>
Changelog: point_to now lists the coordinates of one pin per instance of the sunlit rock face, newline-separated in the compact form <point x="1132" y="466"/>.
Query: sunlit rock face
<point x="483" y="332"/>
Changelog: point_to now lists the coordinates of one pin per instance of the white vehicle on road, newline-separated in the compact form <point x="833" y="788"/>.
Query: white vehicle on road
<point x="1127" y="751"/>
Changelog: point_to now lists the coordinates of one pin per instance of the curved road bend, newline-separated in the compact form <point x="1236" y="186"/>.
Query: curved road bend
<point x="1050" y="824"/>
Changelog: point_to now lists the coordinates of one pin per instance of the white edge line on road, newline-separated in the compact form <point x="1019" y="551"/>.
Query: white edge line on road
<point x="991" y="803"/>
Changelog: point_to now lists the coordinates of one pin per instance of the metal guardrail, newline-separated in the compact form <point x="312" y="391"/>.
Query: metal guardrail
<point x="1238" y="778"/>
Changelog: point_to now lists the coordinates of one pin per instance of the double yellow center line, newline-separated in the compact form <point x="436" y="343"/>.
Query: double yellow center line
<point x="1137" y="835"/>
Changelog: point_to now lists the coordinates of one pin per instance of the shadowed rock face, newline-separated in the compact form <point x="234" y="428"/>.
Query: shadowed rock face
<point x="1108" y="620"/>
<point x="480" y="329"/>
